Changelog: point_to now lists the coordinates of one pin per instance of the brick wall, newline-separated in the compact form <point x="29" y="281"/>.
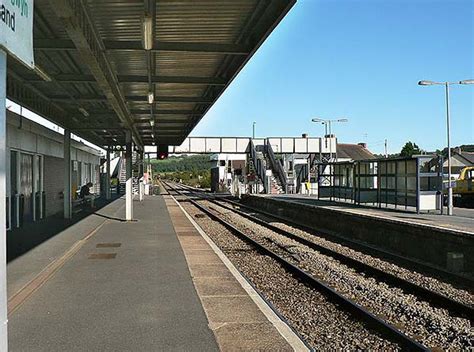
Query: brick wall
<point x="53" y="184"/>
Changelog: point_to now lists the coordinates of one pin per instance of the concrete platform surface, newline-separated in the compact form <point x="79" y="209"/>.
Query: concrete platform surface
<point x="462" y="220"/>
<point x="126" y="288"/>
<point x="238" y="316"/>
<point x="154" y="284"/>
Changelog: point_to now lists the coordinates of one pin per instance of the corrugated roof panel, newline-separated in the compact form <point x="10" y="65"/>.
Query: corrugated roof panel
<point x="66" y="46"/>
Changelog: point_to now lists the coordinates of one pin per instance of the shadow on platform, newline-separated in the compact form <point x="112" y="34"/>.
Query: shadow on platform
<point x="32" y="234"/>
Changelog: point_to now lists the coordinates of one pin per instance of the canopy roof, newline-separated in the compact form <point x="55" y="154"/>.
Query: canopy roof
<point x="94" y="75"/>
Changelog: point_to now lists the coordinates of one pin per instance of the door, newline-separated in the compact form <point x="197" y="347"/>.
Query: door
<point x="13" y="198"/>
<point x="37" y="187"/>
<point x="26" y="185"/>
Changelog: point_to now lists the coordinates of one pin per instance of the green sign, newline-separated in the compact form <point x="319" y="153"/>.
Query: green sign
<point x="16" y="29"/>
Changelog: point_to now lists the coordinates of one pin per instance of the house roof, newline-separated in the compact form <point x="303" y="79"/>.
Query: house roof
<point x="469" y="156"/>
<point x="353" y="152"/>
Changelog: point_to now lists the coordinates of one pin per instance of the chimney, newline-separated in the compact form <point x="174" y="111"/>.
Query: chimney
<point x="363" y="145"/>
<point x="458" y="150"/>
<point x="304" y="135"/>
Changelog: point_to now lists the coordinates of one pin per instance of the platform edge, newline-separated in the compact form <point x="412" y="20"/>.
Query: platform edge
<point x="285" y="331"/>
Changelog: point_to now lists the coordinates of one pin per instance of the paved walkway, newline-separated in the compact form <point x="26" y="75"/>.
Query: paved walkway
<point x="237" y="315"/>
<point x="463" y="219"/>
<point x="155" y="284"/>
<point x="126" y="288"/>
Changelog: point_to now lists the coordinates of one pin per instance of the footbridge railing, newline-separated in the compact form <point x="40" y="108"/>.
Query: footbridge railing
<point x="258" y="164"/>
<point x="277" y="167"/>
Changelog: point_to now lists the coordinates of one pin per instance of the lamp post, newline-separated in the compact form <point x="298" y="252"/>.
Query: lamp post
<point x="327" y="124"/>
<point x="448" y="131"/>
<point x="253" y="129"/>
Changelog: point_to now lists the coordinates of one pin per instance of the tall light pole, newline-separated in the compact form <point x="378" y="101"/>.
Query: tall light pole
<point x="448" y="131"/>
<point x="253" y="129"/>
<point x="327" y="123"/>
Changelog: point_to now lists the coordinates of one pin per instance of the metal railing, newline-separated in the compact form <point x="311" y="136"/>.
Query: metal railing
<point x="276" y="166"/>
<point x="302" y="176"/>
<point x="305" y="170"/>
<point x="258" y="164"/>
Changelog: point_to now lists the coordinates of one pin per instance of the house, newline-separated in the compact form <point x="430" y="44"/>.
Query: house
<point x="352" y="152"/>
<point x="459" y="160"/>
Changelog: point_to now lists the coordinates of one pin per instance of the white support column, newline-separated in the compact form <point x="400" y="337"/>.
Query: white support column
<point x="107" y="177"/>
<point x="128" y="183"/>
<point x="67" y="175"/>
<point x="3" y="194"/>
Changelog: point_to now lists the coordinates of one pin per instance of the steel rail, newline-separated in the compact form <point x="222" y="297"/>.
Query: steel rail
<point x="352" y="307"/>
<point x="463" y="281"/>
<point x="432" y="297"/>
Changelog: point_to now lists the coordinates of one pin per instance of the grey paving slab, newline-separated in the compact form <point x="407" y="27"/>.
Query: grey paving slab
<point x="25" y="267"/>
<point x="143" y="300"/>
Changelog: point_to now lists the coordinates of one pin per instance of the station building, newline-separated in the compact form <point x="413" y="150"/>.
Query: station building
<point x="35" y="170"/>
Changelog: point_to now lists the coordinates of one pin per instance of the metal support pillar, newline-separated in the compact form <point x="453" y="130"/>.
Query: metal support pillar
<point x="3" y="195"/>
<point x="128" y="182"/>
<point x="67" y="175"/>
<point x="448" y="128"/>
<point x="107" y="177"/>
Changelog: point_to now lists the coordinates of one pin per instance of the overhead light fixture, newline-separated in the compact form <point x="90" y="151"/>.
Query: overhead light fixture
<point x="40" y="72"/>
<point x="152" y="136"/>
<point x="147" y="32"/>
<point x="426" y="83"/>
<point x="83" y="111"/>
<point x="151" y="97"/>
<point x="152" y="122"/>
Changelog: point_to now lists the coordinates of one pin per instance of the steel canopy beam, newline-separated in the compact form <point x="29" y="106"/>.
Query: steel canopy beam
<point x="162" y="121"/>
<point x="134" y="98"/>
<point x="146" y="112"/>
<point x="135" y="45"/>
<point x="78" y="78"/>
<point x="25" y="94"/>
<point x="90" y="47"/>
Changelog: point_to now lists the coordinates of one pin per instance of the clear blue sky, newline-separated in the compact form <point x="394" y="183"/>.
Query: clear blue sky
<point x="360" y="59"/>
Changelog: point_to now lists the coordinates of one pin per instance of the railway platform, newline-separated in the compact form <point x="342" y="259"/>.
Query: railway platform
<point x="445" y="242"/>
<point x="152" y="284"/>
<point x="462" y="219"/>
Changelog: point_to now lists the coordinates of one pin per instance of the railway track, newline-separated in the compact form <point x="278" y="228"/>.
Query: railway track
<point x="306" y="274"/>
<point x="266" y="219"/>
<point x="370" y="320"/>
<point x="433" y="297"/>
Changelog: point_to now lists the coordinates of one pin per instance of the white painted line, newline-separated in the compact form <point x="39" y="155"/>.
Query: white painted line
<point x="288" y="334"/>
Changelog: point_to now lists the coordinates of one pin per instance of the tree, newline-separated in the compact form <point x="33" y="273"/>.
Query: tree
<point x="410" y="149"/>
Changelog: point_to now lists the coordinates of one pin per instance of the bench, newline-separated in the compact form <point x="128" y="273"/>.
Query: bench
<point x="79" y="203"/>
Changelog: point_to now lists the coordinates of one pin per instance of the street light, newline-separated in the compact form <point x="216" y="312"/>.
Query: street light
<point x="327" y="123"/>
<point x="253" y="129"/>
<point x="448" y="133"/>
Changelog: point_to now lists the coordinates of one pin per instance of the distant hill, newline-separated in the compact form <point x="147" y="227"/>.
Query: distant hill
<point x="182" y="163"/>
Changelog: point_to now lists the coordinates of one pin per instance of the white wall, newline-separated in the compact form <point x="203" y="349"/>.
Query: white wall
<point x="34" y="138"/>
